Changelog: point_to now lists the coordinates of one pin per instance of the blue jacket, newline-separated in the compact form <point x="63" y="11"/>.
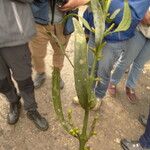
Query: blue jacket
<point x="138" y="10"/>
<point x="41" y="12"/>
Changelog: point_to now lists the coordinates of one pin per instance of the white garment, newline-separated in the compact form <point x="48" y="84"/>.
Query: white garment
<point x="145" y="29"/>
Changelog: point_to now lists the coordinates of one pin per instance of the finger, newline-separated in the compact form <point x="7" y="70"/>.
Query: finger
<point x="66" y="8"/>
<point x="67" y="5"/>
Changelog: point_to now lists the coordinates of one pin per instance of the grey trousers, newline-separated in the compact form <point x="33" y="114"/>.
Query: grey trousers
<point x="16" y="62"/>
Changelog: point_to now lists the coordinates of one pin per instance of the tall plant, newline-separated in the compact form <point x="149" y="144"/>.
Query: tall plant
<point x="83" y="80"/>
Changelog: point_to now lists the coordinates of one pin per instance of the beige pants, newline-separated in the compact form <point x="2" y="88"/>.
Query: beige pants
<point x="38" y="46"/>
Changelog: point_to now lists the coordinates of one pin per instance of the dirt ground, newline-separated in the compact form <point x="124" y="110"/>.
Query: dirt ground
<point x="117" y="117"/>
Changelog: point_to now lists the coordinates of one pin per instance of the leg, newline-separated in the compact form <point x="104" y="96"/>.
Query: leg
<point x="7" y="88"/>
<point x="145" y="138"/>
<point x="138" y="65"/>
<point x="38" y="48"/>
<point x="142" y="144"/>
<point x="135" y="70"/>
<point x="58" y="56"/>
<point x="6" y="85"/>
<point x="20" y="64"/>
<point x="134" y="46"/>
<point x="110" y="54"/>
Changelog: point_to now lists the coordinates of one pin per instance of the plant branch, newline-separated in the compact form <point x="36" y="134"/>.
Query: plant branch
<point x="61" y="47"/>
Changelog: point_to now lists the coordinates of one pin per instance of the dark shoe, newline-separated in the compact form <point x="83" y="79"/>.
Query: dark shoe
<point x="14" y="112"/>
<point x="131" y="145"/>
<point x="112" y="90"/>
<point x="39" y="121"/>
<point x="143" y="120"/>
<point x="61" y="84"/>
<point x="127" y="71"/>
<point x="131" y="95"/>
<point x="39" y="80"/>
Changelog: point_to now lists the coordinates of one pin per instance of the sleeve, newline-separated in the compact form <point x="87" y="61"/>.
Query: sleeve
<point x="138" y="9"/>
<point x="23" y="1"/>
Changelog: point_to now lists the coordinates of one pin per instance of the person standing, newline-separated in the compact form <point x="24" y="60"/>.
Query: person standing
<point x="16" y="30"/>
<point x="137" y="55"/>
<point x="48" y="18"/>
<point x="116" y="44"/>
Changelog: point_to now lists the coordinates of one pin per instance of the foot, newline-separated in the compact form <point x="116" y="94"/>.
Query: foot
<point x="95" y="108"/>
<point x="39" y="121"/>
<point x="14" y="112"/>
<point x="98" y="104"/>
<point x="131" y="95"/>
<point x="112" y="90"/>
<point x="61" y="84"/>
<point x="76" y="100"/>
<point x="127" y="71"/>
<point x="143" y="120"/>
<point x="39" y="80"/>
<point x="131" y="145"/>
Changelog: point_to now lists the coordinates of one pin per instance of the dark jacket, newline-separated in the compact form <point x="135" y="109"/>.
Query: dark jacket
<point x="16" y="22"/>
<point x="41" y="11"/>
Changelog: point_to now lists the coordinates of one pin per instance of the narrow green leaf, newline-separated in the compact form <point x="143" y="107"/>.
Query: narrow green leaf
<point x="56" y="97"/>
<point x="107" y="4"/>
<point x="126" y="20"/>
<point x="84" y="22"/>
<point x="99" y="21"/>
<point x="115" y="13"/>
<point x="80" y="64"/>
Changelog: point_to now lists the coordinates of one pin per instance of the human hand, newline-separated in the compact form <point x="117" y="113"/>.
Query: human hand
<point x="72" y="4"/>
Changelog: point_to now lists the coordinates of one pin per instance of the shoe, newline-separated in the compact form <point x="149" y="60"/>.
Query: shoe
<point x="112" y="90"/>
<point x="131" y="95"/>
<point x="95" y="108"/>
<point x="76" y="100"/>
<point x="127" y="71"/>
<point x="61" y="84"/>
<point x="14" y="112"/>
<point x="143" y="120"/>
<point x="98" y="104"/>
<point x="39" y="80"/>
<point x="131" y="145"/>
<point x="39" y="121"/>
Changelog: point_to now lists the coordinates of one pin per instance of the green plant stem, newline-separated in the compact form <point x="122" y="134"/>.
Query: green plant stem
<point x="83" y="137"/>
<point x="60" y="45"/>
<point x="85" y="122"/>
<point x="93" y="67"/>
<point x="82" y="145"/>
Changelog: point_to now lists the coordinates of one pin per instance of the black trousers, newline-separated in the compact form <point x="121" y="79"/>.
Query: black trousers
<point x="16" y="62"/>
